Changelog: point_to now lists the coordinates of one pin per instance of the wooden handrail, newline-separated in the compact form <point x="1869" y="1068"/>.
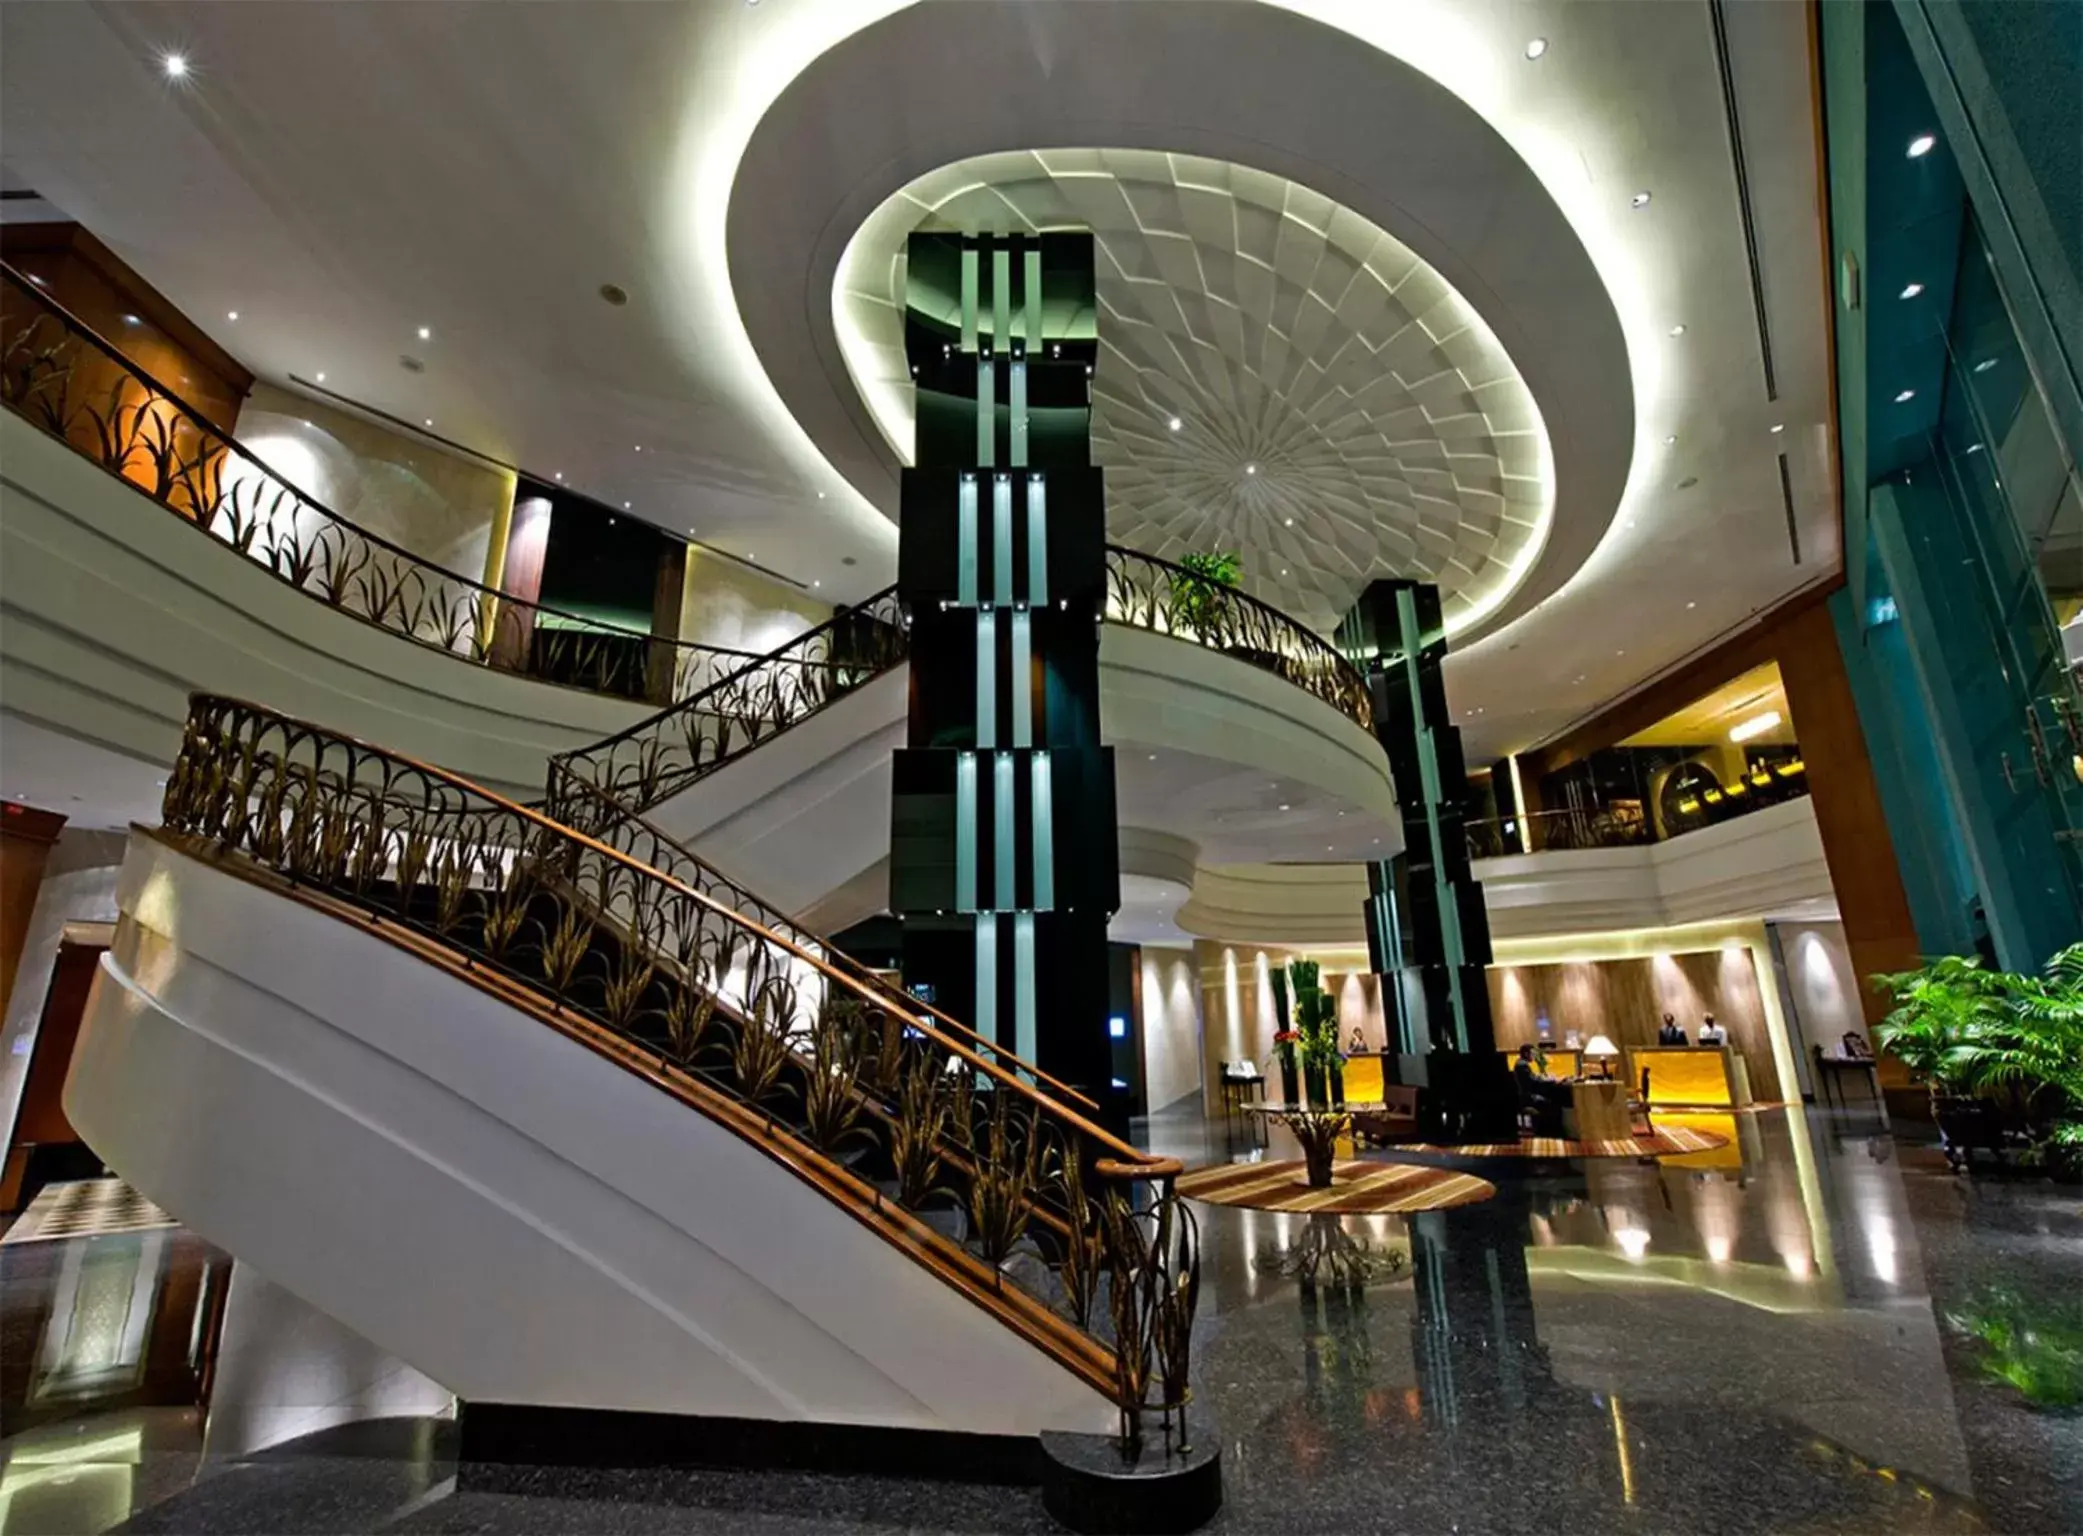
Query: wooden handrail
<point x="1070" y="1347"/>
<point x="1043" y="1103"/>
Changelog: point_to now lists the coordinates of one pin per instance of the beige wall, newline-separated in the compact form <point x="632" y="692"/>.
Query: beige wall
<point x="1821" y="984"/>
<point x="1171" y="1025"/>
<point x="433" y="504"/>
<point x="723" y="603"/>
<point x="1237" y="1010"/>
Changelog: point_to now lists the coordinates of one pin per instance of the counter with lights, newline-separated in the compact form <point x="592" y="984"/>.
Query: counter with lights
<point x="1692" y="1074"/>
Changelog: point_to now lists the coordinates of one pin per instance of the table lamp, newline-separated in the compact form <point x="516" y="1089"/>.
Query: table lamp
<point x="1602" y="1050"/>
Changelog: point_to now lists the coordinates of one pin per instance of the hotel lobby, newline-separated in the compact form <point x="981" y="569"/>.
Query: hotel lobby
<point x="1095" y="765"/>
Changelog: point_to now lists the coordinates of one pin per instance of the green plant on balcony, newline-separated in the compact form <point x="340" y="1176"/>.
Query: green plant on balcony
<point x="1201" y="592"/>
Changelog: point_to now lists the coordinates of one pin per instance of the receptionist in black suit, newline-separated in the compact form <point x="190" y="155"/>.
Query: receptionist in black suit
<point x="1672" y="1033"/>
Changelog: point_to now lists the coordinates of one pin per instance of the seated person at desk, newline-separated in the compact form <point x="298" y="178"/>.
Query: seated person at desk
<point x="1545" y="1097"/>
<point x="1671" y="1033"/>
<point x="1712" y="1033"/>
<point x="1356" y="1046"/>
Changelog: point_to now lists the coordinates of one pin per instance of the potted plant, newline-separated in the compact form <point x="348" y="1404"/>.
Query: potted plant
<point x="1970" y="1032"/>
<point x="1284" y="1044"/>
<point x="1316" y="1025"/>
<point x="1200" y="594"/>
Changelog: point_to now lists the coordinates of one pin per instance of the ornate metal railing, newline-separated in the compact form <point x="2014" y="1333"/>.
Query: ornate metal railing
<point x="57" y="374"/>
<point x="1083" y="1226"/>
<point x="1155" y="594"/>
<point x="658" y="757"/>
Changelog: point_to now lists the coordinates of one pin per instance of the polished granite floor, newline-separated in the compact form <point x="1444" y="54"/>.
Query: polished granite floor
<point x="1776" y="1337"/>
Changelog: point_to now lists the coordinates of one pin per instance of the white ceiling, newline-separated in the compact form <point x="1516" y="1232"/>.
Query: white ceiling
<point x="1277" y="375"/>
<point x="342" y="174"/>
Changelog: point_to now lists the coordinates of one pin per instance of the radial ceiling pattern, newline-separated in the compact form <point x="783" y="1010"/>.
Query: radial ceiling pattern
<point x="1277" y="375"/>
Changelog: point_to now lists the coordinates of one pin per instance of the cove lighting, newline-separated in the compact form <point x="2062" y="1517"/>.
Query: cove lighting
<point x="1911" y="290"/>
<point x="1756" y="725"/>
<point x="1922" y="145"/>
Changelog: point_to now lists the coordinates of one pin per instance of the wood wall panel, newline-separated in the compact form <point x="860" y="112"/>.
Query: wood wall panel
<point x="1626" y="1000"/>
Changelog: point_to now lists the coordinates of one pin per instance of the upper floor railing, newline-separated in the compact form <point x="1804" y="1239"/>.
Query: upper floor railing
<point x="718" y="999"/>
<point x="1149" y="593"/>
<point x="1619" y="821"/>
<point x="59" y="375"/>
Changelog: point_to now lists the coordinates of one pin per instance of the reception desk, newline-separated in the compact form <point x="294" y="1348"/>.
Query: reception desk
<point x="1692" y="1074"/>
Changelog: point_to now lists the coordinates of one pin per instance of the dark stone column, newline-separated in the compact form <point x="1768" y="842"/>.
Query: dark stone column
<point x="1428" y="933"/>
<point x="1003" y="862"/>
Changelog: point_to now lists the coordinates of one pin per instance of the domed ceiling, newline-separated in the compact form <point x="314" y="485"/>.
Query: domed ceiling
<point x="1277" y="375"/>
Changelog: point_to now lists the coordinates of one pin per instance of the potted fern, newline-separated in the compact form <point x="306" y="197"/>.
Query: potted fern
<point x="1200" y="594"/>
<point x="1971" y="1033"/>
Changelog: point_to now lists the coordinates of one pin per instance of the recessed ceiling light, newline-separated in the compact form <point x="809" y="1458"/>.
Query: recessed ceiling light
<point x="815" y="582"/>
<point x="425" y="333"/>
<point x="1670" y="440"/>
<point x="174" y="66"/>
<point x="1639" y="200"/>
<point x="1907" y="394"/>
<point x="1778" y="427"/>
<point x="1536" y="47"/>
<point x="1974" y="447"/>
<point x="231" y="314"/>
<point x="1289" y="523"/>
<point x="1175" y="424"/>
<point x="1911" y="290"/>
<point x="639" y="447"/>
<point x="1677" y="330"/>
<point x="1283" y="570"/>
<point x="132" y="320"/>
<point x="1692" y="605"/>
<point x="560" y="477"/>
<point x="1153" y="757"/>
<point x="1982" y="367"/>
<point x="1250" y="469"/>
<point x="820" y="495"/>
<point x="625" y="506"/>
<point x="39" y="282"/>
<point x="320" y="376"/>
<point x="1284" y="807"/>
<point x="1922" y="145"/>
<point x="430" y="421"/>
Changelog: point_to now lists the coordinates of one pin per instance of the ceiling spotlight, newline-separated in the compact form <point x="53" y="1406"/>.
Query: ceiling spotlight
<point x="1536" y="47"/>
<point x="1284" y="807"/>
<point x="132" y="320"/>
<point x="1670" y="440"/>
<point x="1985" y="365"/>
<point x="639" y="447"/>
<point x="1692" y="605"/>
<point x="1153" y="757"/>
<point x="1922" y="145"/>
<point x="1639" y="200"/>
<point x="1778" y="427"/>
<point x="1911" y="291"/>
<point x="820" y="495"/>
<point x="425" y="333"/>
<point x="560" y="477"/>
<point x="815" y="582"/>
<point x="319" y="376"/>
<point x="429" y="421"/>
<point x="174" y="66"/>
<point x="231" y="314"/>
<point x="1906" y="395"/>
<point x="1289" y="523"/>
<point x="1175" y="424"/>
<point x="39" y="282"/>
<point x="625" y="506"/>
<point x="1250" y="469"/>
<point x="1677" y="330"/>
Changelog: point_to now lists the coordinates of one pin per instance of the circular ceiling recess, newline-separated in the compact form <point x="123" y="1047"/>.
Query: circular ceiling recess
<point x="1277" y="375"/>
<point x="1300" y="317"/>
